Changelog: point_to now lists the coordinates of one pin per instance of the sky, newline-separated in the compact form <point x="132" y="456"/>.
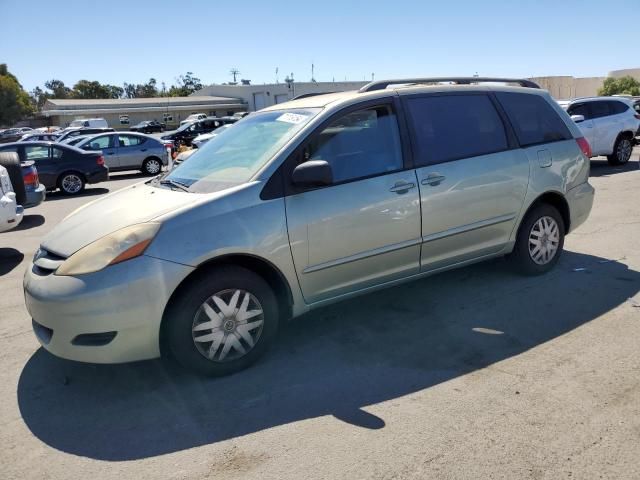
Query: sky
<point x="116" y="41"/>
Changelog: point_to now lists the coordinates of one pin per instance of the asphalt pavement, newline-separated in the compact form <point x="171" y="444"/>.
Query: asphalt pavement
<point x="475" y="373"/>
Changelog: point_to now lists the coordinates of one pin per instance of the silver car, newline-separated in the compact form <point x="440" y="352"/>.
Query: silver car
<point x="128" y="151"/>
<point x="307" y="203"/>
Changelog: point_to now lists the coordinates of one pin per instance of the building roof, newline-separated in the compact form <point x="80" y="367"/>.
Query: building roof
<point x="127" y="103"/>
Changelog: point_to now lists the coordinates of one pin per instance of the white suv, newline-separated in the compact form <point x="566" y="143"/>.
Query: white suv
<point x="608" y="123"/>
<point x="10" y="212"/>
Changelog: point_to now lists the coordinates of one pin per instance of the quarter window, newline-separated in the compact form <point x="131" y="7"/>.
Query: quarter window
<point x="359" y="144"/>
<point x="451" y="127"/>
<point x="617" y="107"/>
<point x="533" y="119"/>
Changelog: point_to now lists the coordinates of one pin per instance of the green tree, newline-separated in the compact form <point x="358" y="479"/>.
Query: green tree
<point x="15" y="103"/>
<point x="141" y="90"/>
<point x="620" y="86"/>
<point x="186" y="85"/>
<point x="58" y="89"/>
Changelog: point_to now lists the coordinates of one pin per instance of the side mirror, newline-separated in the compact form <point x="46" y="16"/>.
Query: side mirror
<point x="577" y="118"/>
<point x="314" y="173"/>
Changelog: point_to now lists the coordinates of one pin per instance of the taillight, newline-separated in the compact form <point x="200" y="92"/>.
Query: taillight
<point x="584" y="146"/>
<point x="100" y="160"/>
<point x="31" y="178"/>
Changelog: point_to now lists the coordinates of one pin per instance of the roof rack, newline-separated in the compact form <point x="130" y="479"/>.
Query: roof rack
<point x="382" y="84"/>
<point x="305" y="95"/>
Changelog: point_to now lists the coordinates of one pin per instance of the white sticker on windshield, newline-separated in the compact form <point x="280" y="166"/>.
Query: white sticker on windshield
<point x="291" y="118"/>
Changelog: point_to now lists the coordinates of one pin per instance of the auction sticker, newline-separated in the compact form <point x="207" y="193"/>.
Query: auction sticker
<point x="291" y="118"/>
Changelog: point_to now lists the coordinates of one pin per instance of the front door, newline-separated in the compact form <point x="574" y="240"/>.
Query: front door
<point x="472" y="183"/>
<point x="364" y="229"/>
<point x="105" y="143"/>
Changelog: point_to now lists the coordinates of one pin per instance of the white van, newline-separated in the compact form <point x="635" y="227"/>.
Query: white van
<point x="89" y="123"/>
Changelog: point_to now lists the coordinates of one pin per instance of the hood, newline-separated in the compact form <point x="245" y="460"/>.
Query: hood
<point x="136" y="204"/>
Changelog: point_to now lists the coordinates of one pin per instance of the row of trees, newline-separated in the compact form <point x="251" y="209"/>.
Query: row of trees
<point x="85" y="89"/>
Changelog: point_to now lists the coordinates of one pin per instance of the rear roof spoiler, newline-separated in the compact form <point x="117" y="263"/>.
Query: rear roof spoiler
<point x="382" y="84"/>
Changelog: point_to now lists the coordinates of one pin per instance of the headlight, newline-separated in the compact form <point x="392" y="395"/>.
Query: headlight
<point x="124" y="244"/>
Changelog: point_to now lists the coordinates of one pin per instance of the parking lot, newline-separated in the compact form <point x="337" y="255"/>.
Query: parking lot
<point x="475" y="373"/>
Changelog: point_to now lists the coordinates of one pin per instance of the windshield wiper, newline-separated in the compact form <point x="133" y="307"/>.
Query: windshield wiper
<point x="173" y="183"/>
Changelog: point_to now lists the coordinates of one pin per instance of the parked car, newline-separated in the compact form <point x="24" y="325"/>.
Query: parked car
<point x="82" y="131"/>
<point x="194" y="117"/>
<point x="39" y="137"/>
<point x="186" y="133"/>
<point x="89" y="123"/>
<point x="11" y="135"/>
<point x="304" y="204"/>
<point x="24" y="178"/>
<point x="609" y="124"/>
<point x="182" y="156"/>
<point x="240" y="114"/>
<point x="62" y="166"/>
<point x="75" y="140"/>
<point x="128" y="151"/>
<point x="11" y="213"/>
<point x="203" y="138"/>
<point x="148" y="126"/>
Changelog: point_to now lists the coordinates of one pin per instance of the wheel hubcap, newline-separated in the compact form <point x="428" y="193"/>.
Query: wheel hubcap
<point x="71" y="184"/>
<point x="153" y="166"/>
<point x="544" y="240"/>
<point x="624" y="151"/>
<point x="227" y="325"/>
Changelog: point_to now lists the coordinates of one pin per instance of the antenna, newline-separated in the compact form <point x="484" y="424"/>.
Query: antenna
<point x="277" y="76"/>
<point x="235" y="72"/>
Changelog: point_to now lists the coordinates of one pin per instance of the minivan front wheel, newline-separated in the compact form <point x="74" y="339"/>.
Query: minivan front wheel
<point x="222" y="322"/>
<point x="540" y="241"/>
<point x="621" y="151"/>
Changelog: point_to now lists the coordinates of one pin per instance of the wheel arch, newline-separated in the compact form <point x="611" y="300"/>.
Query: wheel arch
<point x="70" y="170"/>
<point x="267" y="270"/>
<point x="556" y="200"/>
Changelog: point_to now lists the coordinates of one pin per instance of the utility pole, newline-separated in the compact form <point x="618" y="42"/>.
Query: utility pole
<point x="235" y="72"/>
<point x="277" y="76"/>
<point x="312" y="72"/>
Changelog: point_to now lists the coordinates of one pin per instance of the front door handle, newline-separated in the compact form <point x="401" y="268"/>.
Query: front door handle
<point x="143" y="149"/>
<point x="402" y="187"/>
<point x="433" y="179"/>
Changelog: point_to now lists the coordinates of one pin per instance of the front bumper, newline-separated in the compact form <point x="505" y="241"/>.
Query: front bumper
<point x="128" y="298"/>
<point x="36" y="196"/>
<point x="580" y="200"/>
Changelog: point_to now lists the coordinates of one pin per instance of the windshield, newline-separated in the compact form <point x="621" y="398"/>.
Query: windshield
<point x="237" y="155"/>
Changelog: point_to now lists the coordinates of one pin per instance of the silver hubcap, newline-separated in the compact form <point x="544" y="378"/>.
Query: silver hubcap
<point x="544" y="240"/>
<point x="624" y="151"/>
<point x="227" y="325"/>
<point x="153" y="166"/>
<point x="71" y="183"/>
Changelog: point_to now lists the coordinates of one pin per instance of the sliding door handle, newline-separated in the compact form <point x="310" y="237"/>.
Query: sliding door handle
<point x="433" y="179"/>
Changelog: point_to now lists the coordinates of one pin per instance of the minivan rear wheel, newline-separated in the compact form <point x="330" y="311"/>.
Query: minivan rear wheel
<point x="539" y="242"/>
<point x="621" y="151"/>
<point x="222" y="321"/>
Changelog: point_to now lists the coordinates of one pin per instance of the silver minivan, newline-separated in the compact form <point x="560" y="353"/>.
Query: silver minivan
<point x="306" y="203"/>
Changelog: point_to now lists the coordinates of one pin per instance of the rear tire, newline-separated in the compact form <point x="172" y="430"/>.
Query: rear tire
<point x="152" y="166"/>
<point x="206" y="330"/>
<point x="71" y="183"/>
<point x="539" y="242"/>
<point x="621" y="151"/>
<point x="11" y="162"/>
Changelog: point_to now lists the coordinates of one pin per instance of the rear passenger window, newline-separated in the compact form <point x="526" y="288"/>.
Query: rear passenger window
<point x="359" y="144"/>
<point x="533" y="119"/>
<point x="617" y="107"/>
<point x="599" y="109"/>
<point x="453" y="127"/>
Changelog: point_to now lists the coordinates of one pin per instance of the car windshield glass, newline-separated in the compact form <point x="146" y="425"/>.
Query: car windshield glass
<point x="238" y="154"/>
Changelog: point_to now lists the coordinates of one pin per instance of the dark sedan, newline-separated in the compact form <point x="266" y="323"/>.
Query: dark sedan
<point x="148" y="126"/>
<point x="61" y="166"/>
<point x="189" y="131"/>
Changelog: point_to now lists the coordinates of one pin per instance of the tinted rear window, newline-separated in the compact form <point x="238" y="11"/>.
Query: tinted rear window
<point x="533" y="119"/>
<point x="457" y="126"/>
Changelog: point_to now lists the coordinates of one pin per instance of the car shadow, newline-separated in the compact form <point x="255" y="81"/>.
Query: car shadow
<point x="601" y="168"/>
<point x="334" y="361"/>
<point x="30" y="221"/>
<point x="87" y="192"/>
<point x="10" y="258"/>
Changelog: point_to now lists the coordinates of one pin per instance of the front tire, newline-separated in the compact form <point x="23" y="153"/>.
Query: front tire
<point x="71" y="183"/>
<point x="222" y="321"/>
<point x="539" y="242"/>
<point x="621" y="151"/>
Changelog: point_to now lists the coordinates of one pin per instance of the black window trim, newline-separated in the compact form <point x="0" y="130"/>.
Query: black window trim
<point x="512" y="142"/>
<point x="279" y="185"/>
